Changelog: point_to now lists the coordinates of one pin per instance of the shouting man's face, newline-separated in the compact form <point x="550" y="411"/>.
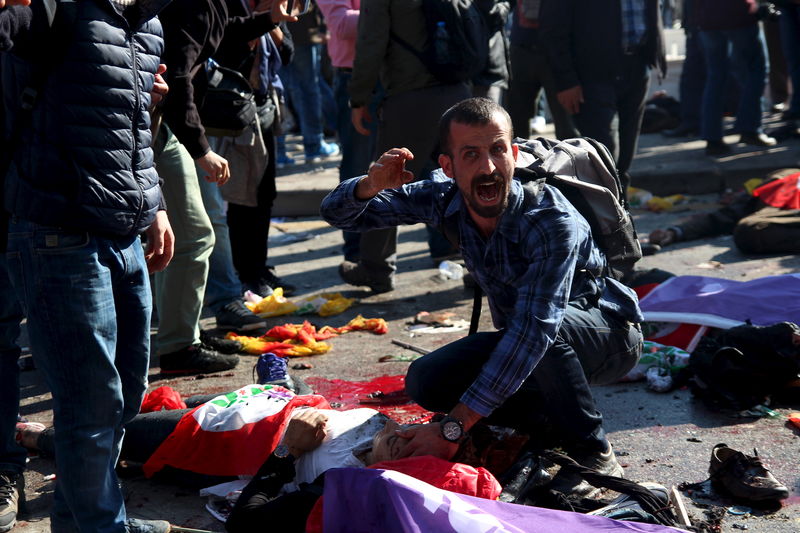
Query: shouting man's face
<point x="482" y="164"/>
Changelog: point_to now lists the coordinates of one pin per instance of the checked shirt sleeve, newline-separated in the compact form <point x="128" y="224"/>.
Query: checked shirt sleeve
<point x="551" y="242"/>
<point x="413" y="203"/>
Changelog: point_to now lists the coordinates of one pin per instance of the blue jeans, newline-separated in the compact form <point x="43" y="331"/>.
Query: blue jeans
<point x="358" y="151"/>
<point x="223" y="285"/>
<point x="311" y="95"/>
<point x="555" y="400"/>
<point x="790" y="38"/>
<point x="12" y="455"/>
<point x="744" y="52"/>
<point x="88" y="303"/>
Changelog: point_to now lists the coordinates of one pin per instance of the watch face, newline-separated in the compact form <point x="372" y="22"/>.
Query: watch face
<point x="452" y="431"/>
<point x="281" y="451"/>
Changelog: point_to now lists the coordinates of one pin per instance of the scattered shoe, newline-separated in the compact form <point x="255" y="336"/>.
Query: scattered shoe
<point x="237" y="317"/>
<point x="325" y="150"/>
<point x="356" y="274"/>
<point x="626" y="507"/>
<point x="571" y="484"/>
<point x="197" y="359"/>
<point x="274" y="281"/>
<point x="284" y="160"/>
<point x="26" y="434"/>
<point x="744" y="476"/>
<point x="218" y="344"/>
<point x="716" y="148"/>
<point x="11" y="486"/>
<point x="757" y="139"/>
<point x="134" y="525"/>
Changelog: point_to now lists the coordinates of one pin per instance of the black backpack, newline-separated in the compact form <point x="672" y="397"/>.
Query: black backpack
<point x="585" y="173"/>
<point x="741" y="367"/>
<point x="457" y="48"/>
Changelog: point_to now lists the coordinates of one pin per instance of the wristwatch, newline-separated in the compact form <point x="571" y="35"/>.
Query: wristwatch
<point x="452" y="429"/>
<point x="282" y="452"/>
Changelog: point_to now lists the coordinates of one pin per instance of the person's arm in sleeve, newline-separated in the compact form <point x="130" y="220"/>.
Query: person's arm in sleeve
<point x="555" y="30"/>
<point x="373" y="38"/>
<point x="250" y="27"/>
<point x="18" y="23"/>
<point x="340" y="17"/>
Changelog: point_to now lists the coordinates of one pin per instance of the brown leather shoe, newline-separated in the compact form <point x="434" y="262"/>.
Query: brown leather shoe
<point x="744" y="476"/>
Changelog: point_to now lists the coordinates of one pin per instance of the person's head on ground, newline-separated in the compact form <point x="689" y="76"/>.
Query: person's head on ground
<point x="387" y="445"/>
<point x="475" y="140"/>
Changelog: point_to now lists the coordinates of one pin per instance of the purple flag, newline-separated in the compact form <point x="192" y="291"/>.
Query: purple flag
<point x="363" y="500"/>
<point x="724" y="303"/>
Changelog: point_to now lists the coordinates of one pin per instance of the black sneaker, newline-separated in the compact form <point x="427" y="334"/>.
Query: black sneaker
<point x="274" y="281"/>
<point x="717" y="148"/>
<point x="197" y="360"/>
<point x="238" y="317"/>
<point x="11" y="485"/>
<point x="218" y="344"/>
<point x="356" y="274"/>
<point x="571" y="484"/>
<point x="134" y="525"/>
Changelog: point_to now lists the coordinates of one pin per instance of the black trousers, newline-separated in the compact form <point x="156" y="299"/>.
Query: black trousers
<point x="591" y="347"/>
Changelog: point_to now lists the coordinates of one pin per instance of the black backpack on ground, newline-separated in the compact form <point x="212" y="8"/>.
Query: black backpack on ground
<point x="741" y="367"/>
<point x="457" y="48"/>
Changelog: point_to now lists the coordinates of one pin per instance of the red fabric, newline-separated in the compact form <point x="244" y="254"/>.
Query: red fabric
<point x="643" y="290"/>
<point x="455" y="477"/>
<point x="162" y="399"/>
<point x="782" y="193"/>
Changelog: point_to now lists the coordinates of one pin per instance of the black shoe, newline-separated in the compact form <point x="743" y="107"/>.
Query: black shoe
<point x="681" y="131"/>
<point x="274" y="281"/>
<point x="571" y="484"/>
<point x="715" y="148"/>
<point x="197" y="360"/>
<point x="237" y="317"/>
<point x="744" y="476"/>
<point x="649" y="248"/>
<point x="218" y="344"/>
<point x="356" y="274"/>
<point x="757" y="139"/>
<point x="11" y="486"/>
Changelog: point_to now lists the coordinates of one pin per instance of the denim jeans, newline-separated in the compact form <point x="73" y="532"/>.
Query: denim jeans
<point x="223" y="285"/>
<point x="358" y="151"/>
<point x="743" y="51"/>
<point x="693" y="79"/>
<point x="555" y="400"/>
<point x="311" y="95"/>
<point x="790" y="38"/>
<point x="12" y="455"/>
<point x="88" y="303"/>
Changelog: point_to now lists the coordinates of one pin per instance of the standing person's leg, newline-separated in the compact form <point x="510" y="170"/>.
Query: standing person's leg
<point x="749" y="64"/>
<point x="12" y="455"/>
<point x="565" y="128"/>
<point x="716" y="49"/>
<point x="589" y="348"/>
<point x="88" y="305"/>
<point x="790" y="38"/>
<point x="523" y="90"/>
<point x="631" y="95"/>
<point x="597" y="115"/>
<point x="693" y="78"/>
<point x="180" y="287"/>
<point x="778" y="68"/>
<point x="224" y="290"/>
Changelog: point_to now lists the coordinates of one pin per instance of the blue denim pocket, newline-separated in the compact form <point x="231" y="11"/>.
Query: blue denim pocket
<point x="52" y="240"/>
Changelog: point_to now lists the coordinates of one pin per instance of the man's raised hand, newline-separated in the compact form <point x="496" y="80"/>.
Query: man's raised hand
<point x="388" y="172"/>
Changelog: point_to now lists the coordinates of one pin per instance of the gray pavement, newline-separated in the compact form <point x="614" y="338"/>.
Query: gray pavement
<point x="660" y="437"/>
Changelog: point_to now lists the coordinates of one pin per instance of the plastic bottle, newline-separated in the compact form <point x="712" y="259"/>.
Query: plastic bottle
<point x="442" y="44"/>
<point x="451" y="270"/>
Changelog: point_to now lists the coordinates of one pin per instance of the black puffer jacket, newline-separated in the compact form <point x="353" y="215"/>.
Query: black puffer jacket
<point x="84" y="161"/>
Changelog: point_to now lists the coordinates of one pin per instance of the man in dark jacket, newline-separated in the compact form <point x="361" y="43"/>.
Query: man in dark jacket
<point x="81" y="187"/>
<point x="601" y="52"/>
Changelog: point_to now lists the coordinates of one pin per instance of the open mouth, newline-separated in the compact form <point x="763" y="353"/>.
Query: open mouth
<point x="488" y="189"/>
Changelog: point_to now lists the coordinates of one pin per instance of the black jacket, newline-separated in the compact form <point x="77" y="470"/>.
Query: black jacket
<point x="583" y="39"/>
<point x="193" y="29"/>
<point x="84" y="160"/>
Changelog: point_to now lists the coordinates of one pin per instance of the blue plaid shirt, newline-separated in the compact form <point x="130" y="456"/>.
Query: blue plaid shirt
<point x="525" y="268"/>
<point x="633" y="23"/>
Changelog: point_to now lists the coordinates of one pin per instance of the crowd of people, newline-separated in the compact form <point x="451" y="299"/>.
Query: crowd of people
<point x="115" y="174"/>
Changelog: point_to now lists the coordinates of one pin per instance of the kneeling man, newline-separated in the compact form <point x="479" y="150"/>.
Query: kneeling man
<point x="562" y="324"/>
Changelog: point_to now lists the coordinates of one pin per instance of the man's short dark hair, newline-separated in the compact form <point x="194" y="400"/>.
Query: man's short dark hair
<point x="471" y="112"/>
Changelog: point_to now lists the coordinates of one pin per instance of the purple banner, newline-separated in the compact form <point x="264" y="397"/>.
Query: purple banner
<point x="724" y="303"/>
<point x="359" y="500"/>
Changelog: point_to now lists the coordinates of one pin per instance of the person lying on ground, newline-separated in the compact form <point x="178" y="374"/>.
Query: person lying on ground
<point x="562" y="323"/>
<point x="757" y="226"/>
